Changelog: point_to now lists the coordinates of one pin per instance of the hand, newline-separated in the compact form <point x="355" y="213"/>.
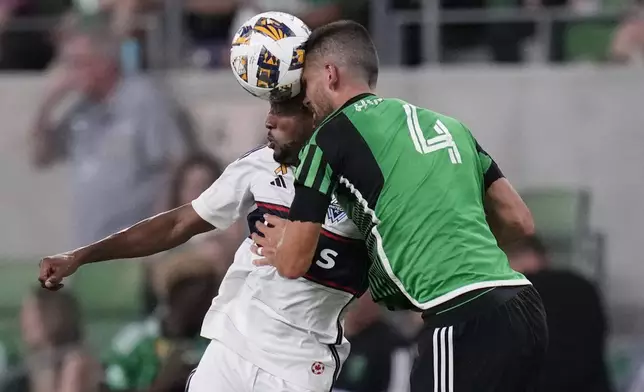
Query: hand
<point x="54" y="268"/>
<point x="273" y="230"/>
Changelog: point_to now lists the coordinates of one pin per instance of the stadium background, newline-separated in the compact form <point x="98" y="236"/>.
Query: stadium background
<point x="561" y="114"/>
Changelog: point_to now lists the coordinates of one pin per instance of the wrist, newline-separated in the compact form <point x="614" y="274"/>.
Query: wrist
<point x="81" y="256"/>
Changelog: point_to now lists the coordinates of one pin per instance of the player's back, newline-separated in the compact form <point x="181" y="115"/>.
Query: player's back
<point x="424" y="221"/>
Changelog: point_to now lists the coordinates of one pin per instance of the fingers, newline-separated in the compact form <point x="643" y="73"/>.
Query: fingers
<point x="48" y="276"/>
<point x="262" y="262"/>
<point x="256" y="249"/>
<point x="44" y="270"/>
<point x="263" y="228"/>
<point x="259" y="240"/>
<point x="273" y="220"/>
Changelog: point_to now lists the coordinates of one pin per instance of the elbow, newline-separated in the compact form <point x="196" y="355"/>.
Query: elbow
<point x="524" y="224"/>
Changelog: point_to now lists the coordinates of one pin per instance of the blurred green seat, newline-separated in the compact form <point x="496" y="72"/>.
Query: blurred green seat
<point x="110" y="295"/>
<point x="17" y="279"/>
<point x="559" y="212"/>
<point x="110" y="290"/>
<point x="561" y="219"/>
<point x="588" y="41"/>
<point x="10" y="337"/>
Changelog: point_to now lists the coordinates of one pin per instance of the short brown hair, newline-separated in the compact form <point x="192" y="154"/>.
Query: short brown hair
<point x="350" y="43"/>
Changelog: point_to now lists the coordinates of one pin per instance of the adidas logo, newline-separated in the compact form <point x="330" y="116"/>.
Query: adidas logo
<point x="279" y="182"/>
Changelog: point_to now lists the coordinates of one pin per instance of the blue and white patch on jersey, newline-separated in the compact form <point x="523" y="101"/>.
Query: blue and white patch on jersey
<point x="335" y="213"/>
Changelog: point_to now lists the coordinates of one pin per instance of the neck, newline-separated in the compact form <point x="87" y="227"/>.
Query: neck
<point x="349" y="92"/>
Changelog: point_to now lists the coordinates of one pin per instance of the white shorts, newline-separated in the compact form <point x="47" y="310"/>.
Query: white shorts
<point x="222" y="370"/>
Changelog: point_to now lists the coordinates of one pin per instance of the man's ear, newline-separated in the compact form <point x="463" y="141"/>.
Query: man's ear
<point x="333" y="76"/>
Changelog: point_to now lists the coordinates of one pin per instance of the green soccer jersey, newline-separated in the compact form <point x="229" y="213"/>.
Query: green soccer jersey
<point x="413" y="181"/>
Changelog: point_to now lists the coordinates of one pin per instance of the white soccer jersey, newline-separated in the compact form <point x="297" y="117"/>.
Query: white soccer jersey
<point x="290" y="328"/>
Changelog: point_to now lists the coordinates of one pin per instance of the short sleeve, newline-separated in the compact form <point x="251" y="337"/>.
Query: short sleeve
<point x="229" y="197"/>
<point x="323" y="161"/>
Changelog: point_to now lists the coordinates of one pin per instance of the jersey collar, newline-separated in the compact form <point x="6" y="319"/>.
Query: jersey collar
<point x="355" y="99"/>
<point x="346" y="104"/>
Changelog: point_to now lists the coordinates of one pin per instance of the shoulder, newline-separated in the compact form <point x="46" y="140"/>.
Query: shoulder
<point x="333" y="132"/>
<point x="251" y="163"/>
<point x="259" y="153"/>
<point x="258" y="157"/>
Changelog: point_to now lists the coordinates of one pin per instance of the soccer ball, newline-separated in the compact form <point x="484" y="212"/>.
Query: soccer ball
<point x="267" y="55"/>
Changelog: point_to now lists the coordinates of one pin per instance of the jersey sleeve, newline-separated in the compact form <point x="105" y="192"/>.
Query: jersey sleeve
<point x="316" y="177"/>
<point x="229" y="197"/>
<point x="491" y="171"/>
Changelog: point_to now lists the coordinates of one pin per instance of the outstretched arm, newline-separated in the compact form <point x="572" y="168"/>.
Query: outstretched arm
<point x="159" y="233"/>
<point x="219" y="206"/>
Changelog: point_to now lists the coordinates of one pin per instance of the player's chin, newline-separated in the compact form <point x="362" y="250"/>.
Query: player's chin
<point x="278" y="154"/>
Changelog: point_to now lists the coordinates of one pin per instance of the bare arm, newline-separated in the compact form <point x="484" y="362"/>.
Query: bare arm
<point x="42" y="137"/>
<point x="508" y="216"/>
<point x="153" y="235"/>
<point x="45" y="147"/>
<point x="159" y="233"/>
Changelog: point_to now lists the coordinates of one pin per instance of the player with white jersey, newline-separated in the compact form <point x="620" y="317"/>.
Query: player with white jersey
<point x="268" y="333"/>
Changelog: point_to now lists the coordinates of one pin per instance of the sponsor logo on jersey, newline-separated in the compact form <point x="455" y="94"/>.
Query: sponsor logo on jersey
<point x="335" y="213"/>
<point x="279" y="182"/>
<point x="317" y="368"/>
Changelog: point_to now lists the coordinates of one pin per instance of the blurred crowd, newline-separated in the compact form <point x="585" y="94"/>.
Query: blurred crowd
<point x="30" y="31"/>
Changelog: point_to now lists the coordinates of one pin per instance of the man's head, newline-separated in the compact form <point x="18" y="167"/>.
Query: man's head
<point x="528" y="255"/>
<point x="188" y="301"/>
<point x="185" y="283"/>
<point x="92" y="58"/>
<point x="341" y="62"/>
<point x="289" y="125"/>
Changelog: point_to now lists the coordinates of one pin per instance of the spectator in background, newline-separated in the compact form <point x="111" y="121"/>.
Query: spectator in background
<point x="380" y="358"/>
<point x="576" y="322"/>
<point x="185" y="284"/>
<point x="628" y="40"/>
<point x="122" y="137"/>
<point x="56" y="359"/>
<point x="22" y="49"/>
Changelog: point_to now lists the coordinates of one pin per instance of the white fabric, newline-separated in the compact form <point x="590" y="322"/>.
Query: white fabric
<point x="221" y="369"/>
<point x="283" y="326"/>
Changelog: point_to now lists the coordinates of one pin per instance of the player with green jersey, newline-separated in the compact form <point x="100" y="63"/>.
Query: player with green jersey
<point x="413" y="154"/>
<point x="433" y="207"/>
